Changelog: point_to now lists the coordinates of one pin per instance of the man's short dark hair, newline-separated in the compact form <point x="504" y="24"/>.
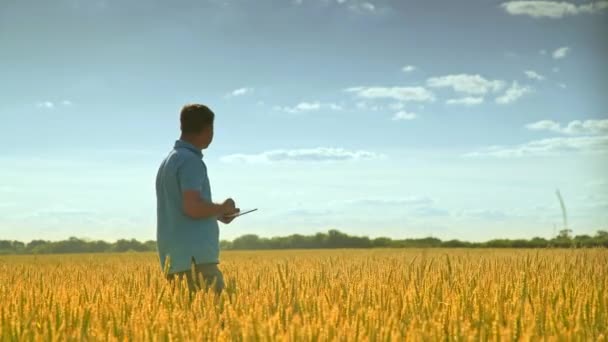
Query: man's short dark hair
<point x="195" y="117"/>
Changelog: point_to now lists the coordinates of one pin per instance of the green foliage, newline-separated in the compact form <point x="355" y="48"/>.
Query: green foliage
<point x="332" y="239"/>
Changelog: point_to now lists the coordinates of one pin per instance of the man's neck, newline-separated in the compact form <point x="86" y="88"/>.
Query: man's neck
<point x="190" y="140"/>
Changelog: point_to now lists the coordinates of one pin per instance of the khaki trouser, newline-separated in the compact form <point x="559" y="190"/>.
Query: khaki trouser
<point x="204" y="277"/>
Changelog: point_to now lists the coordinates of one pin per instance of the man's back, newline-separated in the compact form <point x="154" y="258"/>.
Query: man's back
<point x="179" y="236"/>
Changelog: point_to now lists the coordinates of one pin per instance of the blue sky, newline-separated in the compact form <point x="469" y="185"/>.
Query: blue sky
<point x="379" y="118"/>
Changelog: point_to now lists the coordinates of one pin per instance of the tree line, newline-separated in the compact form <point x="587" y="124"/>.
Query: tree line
<point x="332" y="239"/>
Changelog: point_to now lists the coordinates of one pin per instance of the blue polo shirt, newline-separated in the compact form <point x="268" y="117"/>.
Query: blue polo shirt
<point x="178" y="236"/>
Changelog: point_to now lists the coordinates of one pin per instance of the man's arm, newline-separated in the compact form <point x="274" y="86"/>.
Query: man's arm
<point x="197" y="208"/>
<point x="190" y="176"/>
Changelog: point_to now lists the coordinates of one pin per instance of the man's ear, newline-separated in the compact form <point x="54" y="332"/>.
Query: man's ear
<point x="203" y="134"/>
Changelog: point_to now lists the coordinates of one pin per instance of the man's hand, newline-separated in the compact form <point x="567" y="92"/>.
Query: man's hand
<point x="225" y="219"/>
<point x="227" y="208"/>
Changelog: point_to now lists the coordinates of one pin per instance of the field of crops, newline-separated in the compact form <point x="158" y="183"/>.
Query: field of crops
<point x="378" y="294"/>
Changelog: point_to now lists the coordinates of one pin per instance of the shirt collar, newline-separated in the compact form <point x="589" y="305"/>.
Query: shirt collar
<point x="184" y="144"/>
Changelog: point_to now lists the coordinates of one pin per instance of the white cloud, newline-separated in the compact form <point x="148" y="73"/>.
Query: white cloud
<point x="306" y="106"/>
<point x="51" y="105"/>
<point x="309" y="214"/>
<point x="589" y="136"/>
<point x="320" y="154"/>
<point x="551" y="9"/>
<point x="366" y="106"/>
<point x="360" y="6"/>
<point x="309" y="107"/>
<point x="543" y="125"/>
<point x="597" y="183"/>
<point x="408" y="68"/>
<point x="543" y="52"/>
<point x="547" y="147"/>
<point x="533" y="75"/>
<point x="431" y="211"/>
<point x="466" y="101"/>
<point x="562" y="85"/>
<point x="513" y="93"/>
<point x="60" y="212"/>
<point x="593" y="138"/>
<point x="484" y="214"/>
<point x="464" y="83"/>
<point x="594" y="6"/>
<point x="403" y="115"/>
<point x="403" y="94"/>
<point x="555" y="69"/>
<point x="239" y="92"/>
<point x="46" y="104"/>
<point x="367" y="6"/>
<point x="576" y="127"/>
<point x="405" y="201"/>
<point x="560" y="52"/>
<point x="414" y="205"/>
<point x="396" y="106"/>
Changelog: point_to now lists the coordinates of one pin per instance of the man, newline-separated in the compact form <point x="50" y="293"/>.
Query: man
<point x="187" y="232"/>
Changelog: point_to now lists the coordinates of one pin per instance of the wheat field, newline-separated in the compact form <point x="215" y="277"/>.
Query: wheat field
<point x="344" y="295"/>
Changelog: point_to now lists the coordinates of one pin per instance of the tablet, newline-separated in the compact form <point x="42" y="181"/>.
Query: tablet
<point x="240" y="213"/>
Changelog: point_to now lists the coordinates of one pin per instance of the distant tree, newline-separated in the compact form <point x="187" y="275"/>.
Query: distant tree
<point x="18" y="246"/>
<point x="382" y="242"/>
<point x="248" y="241"/>
<point x="150" y="245"/>
<point x="99" y="246"/>
<point x="123" y="245"/>
<point x="34" y="243"/>
<point x="332" y="239"/>
<point x="601" y="238"/>
<point x="430" y="241"/>
<point x="538" y="242"/>
<point x="6" y="247"/>
<point x="454" y="244"/>
<point x="225" y="244"/>
<point x="563" y="239"/>
<point x="320" y="239"/>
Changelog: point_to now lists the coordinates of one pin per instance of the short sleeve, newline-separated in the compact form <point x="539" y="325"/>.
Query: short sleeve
<point x="191" y="175"/>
